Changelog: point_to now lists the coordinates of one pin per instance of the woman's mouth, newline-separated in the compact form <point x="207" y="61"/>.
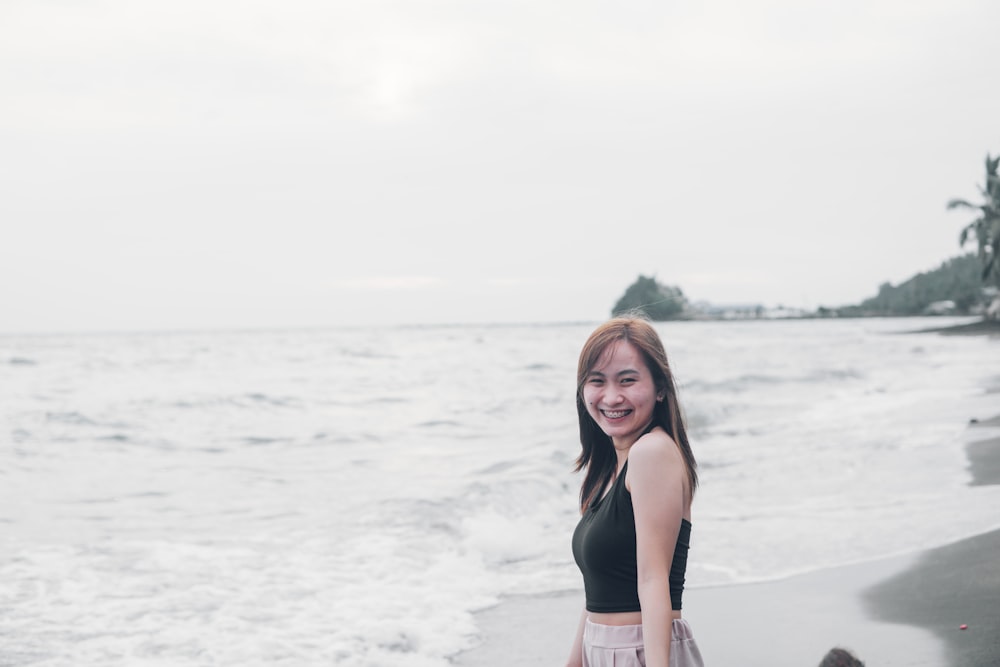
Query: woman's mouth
<point x="615" y="414"/>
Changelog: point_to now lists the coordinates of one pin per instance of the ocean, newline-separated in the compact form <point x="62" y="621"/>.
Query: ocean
<point x="352" y="496"/>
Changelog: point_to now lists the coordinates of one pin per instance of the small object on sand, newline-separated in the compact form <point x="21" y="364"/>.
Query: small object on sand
<point x="963" y="627"/>
<point x="973" y="421"/>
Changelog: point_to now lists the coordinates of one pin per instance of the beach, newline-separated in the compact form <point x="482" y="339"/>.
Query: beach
<point x="789" y="622"/>
<point x="937" y="606"/>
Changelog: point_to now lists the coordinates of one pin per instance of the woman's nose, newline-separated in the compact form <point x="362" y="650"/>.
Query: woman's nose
<point x="612" y="395"/>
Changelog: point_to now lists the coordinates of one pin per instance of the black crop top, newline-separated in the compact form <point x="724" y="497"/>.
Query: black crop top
<point x="604" y="549"/>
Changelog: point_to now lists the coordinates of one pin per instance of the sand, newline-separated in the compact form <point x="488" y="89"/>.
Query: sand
<point x="948" y="587"/>
<point x="793" y="621"/>
<point x="977" y="328"/>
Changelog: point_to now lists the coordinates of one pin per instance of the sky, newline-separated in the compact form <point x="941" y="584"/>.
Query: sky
<point x="199" y="164"/>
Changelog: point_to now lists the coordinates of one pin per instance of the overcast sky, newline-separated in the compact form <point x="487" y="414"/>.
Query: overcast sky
<point x="201" y="164"/>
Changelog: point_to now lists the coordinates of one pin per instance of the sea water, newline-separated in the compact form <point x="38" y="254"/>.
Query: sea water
<point x="352" y="496"/>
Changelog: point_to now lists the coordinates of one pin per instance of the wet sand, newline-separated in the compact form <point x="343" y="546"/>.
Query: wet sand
<point x="905" y="610"/>
<point x="793" y="621"/>
<point x="948" y="587"/>
<point x="977" y="328"/>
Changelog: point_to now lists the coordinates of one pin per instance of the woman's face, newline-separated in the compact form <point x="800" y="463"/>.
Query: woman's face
<point x="620" y="393"/>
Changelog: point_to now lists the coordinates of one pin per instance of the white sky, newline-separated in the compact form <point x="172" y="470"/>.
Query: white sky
<point x="193" y="163"/>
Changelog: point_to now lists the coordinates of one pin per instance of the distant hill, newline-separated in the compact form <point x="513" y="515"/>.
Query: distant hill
<point x="658" y="301"/>
<point x="958" y="280"/>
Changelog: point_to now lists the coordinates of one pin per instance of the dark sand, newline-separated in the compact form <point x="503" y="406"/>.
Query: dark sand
<point x="977" y="328"/>
<point x="984" y="460"/>
<point x="951" y="586"/>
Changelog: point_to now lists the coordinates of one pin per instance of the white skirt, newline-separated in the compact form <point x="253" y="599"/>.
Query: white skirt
<point x="621" y="646"/>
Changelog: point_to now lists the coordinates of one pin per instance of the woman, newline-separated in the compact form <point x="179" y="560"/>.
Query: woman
<point x="632" y="540"/>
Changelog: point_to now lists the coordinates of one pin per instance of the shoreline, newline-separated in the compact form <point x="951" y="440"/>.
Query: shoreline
<point x="947" y="588"/>
<point x="904" y="610"/>
<point x="980" y="327"/>
<point x="792" y="621"/>
<point x="984" y="454"/>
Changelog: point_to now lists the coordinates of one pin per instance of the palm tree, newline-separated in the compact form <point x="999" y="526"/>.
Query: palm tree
<point x="986" y="227"/>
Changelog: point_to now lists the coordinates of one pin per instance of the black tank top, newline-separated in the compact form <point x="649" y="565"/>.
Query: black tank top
<point x="604" y="549"/>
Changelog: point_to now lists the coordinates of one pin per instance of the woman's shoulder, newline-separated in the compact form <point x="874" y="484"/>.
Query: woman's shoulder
<point x="652" y="447"/>
<point x="654" y="454"/>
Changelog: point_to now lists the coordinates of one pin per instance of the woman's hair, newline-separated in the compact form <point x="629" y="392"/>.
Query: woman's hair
<point x="598" y="453"/>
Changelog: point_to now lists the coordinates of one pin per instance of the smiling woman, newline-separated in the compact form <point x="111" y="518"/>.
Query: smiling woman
<point x="631" y="543"/>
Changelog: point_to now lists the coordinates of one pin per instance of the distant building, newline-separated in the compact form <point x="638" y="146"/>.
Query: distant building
<point x="711" y="311"/>
<point x="946" y="307"/>
<point x="704" y="310"/>
<point x="783" y="313"/>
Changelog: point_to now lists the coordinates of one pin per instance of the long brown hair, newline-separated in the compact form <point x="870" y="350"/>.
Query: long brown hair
<point x="598" y="453"/>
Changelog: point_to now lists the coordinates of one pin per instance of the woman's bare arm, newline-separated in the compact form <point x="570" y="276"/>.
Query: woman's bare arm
<point x="657" y="480"/>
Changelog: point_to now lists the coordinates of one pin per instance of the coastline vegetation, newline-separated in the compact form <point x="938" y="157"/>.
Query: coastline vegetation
<point x="955" y="288"/>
